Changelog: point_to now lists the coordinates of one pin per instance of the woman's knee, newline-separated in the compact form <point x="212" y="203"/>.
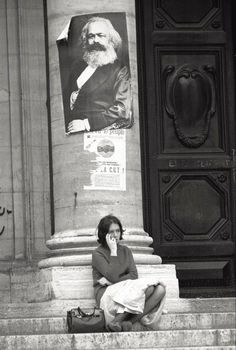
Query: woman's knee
<point x="160" y="290"/>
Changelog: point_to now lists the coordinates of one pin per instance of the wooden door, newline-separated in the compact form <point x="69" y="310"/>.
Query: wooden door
<point x="188" y="138"/>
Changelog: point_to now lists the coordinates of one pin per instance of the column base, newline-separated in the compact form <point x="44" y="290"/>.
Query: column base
<point x="74" y="248"/>
<point x="67" y="273"/>
<point x="76" y="283"/>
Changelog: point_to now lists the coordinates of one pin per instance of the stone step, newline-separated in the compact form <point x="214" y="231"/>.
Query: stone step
<point x="192" y="348"/>
<point x="197" y="321"/>
<point x="58" y="308"/>
<point x="48" y="325"/>
<point x="128" y="340"/>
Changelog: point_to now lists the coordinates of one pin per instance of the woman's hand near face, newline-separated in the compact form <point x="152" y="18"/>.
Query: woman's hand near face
<point x="112" y="244"/>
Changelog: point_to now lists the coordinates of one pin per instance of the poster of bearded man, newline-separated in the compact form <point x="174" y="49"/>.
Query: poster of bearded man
<point x="95" y="74"/>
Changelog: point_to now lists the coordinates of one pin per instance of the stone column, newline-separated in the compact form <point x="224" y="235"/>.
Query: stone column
<point x="24" y="181"/>
<point x="24" y="175"/>
<point x="76" y="210"/>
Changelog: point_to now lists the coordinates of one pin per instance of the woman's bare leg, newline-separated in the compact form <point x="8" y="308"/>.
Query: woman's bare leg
<point x="154" y="295"/>
<point x="123" y="321"/>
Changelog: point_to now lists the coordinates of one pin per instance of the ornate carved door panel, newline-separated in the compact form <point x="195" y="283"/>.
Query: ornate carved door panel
<point x="187" y="86"/>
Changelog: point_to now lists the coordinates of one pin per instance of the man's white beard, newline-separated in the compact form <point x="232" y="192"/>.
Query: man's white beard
<point x="98" y="58"/>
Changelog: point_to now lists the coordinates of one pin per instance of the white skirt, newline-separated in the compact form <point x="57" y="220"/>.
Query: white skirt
<point x="129" y="296"/>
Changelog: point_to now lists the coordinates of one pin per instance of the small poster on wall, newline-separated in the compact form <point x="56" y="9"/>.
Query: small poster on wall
<point x="108" y="171"/>
<point x="95" y="74"/>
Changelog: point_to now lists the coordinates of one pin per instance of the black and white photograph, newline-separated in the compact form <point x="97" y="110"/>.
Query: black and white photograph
<point x="118" y="174"/>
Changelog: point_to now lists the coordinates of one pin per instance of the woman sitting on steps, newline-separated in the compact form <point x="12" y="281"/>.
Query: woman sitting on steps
<point x="124" y="298"/>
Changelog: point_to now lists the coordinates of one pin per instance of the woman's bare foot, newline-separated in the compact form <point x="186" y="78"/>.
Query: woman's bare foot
<point x="114" y="326"/>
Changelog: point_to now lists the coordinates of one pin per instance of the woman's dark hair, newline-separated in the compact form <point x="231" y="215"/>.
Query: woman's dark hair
<point x="104" y="226"/>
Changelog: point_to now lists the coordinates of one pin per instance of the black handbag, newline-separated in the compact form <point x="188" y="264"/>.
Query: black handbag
<point x="79" y="321"/>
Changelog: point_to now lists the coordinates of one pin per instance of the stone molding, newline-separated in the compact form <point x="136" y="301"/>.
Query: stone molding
<point x="74" y="247"/>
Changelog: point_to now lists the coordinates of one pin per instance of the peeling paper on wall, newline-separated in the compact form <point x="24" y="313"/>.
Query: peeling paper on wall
<point x="108" y="169"/>
<point x="64" y="34"/>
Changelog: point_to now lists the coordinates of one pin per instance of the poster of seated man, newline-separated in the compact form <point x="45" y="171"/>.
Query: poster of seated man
<point x="95" y="75"/>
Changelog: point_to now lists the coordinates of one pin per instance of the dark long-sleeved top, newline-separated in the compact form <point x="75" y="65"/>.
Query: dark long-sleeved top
<point x="113" y="268"/>
<point x="104" y="99"/>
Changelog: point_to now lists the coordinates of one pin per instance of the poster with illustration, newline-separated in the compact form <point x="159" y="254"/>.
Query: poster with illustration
<point x="108" y="168"/>
<point x="95" y="74"/>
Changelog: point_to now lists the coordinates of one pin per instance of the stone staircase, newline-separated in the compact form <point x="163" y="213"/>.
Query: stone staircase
<point x="189" y="324"/>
